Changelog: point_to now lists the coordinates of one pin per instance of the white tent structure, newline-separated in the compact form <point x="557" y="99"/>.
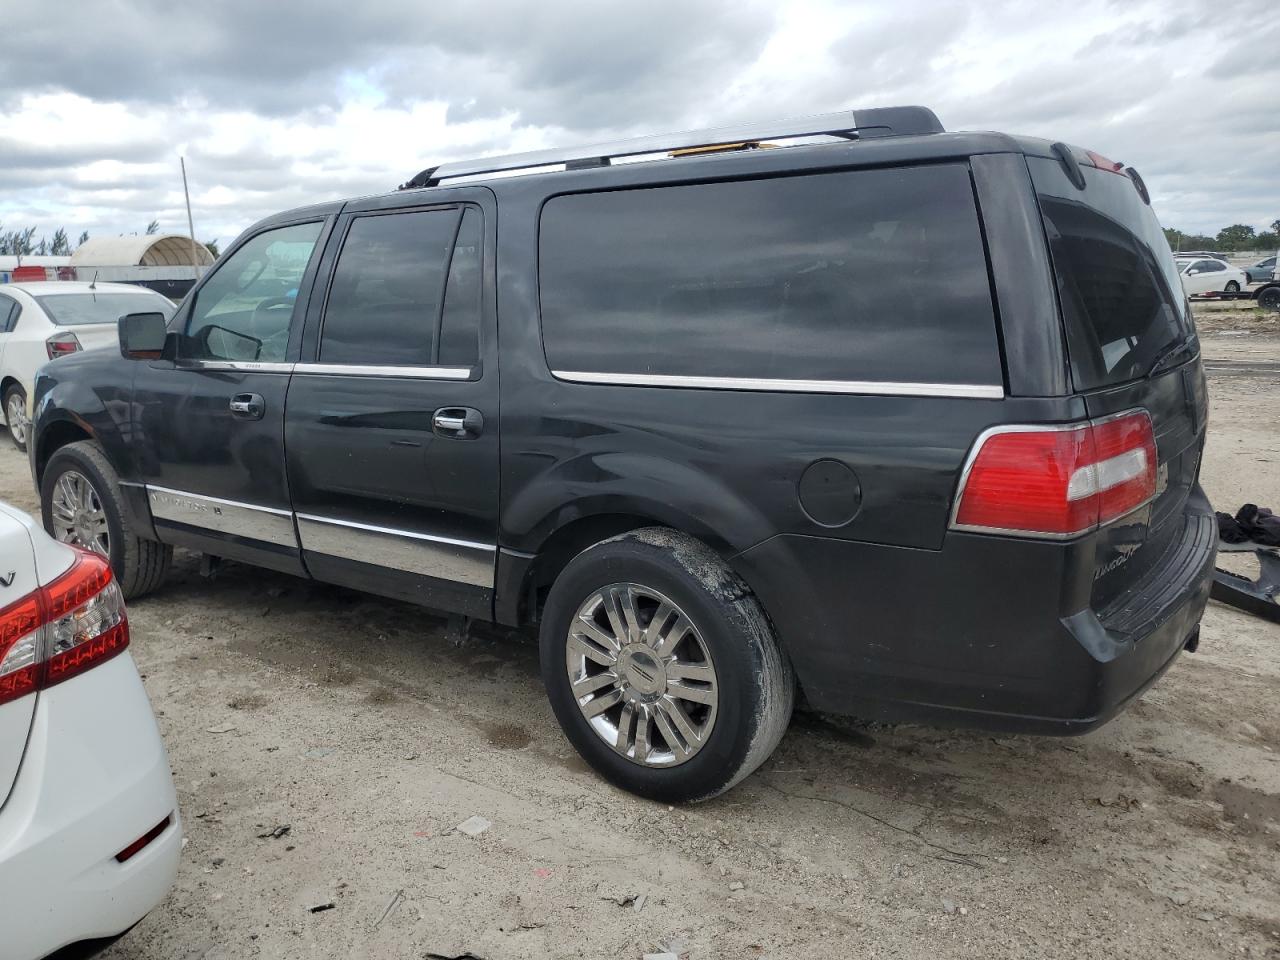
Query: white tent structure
<point x="169" y="263"/>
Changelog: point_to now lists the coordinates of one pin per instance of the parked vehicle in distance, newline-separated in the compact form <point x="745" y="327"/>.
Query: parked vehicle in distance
<point x="1189" y="254"/>
<point x="1210" y="276"/>
<point x="1262" y="271"/>
<point x="89" y="828"/>
<point x="718" y="424"/>
<point x="44" y="320"/>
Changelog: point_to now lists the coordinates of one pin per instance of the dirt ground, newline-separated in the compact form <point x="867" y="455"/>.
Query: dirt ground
<point x="364" y="728"/>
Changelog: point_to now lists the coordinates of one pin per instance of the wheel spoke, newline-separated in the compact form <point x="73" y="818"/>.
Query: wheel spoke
<point x="653" y="632"/>
<point x="593" y="683"/>
<point x="625" y="722"/>
<point x="598" y="705"/>
<point x="686" y="691"/>
<point x="671" y="637"/>
<point x="613" y="610"/>
<point x="581" y="646"/>
<point x="700" y="672"/>
<point x="642" y="734"/>
<point x="663" y="721"/>
<point x="588" y="626"/>
<point x="682" y="722"/>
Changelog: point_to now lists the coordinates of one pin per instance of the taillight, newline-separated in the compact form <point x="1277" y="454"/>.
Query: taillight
<point x="74" y="623"/>
<point x="1057" y="481"/>
<point x="61" y="344"/>
<point x="1103" y="163"/>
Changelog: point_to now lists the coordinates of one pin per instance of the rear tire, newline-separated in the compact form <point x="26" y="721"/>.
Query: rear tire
<point x="139" y="564"/>
<point x="1269" y="299"/>
<point x="1231" y="287"/>
<point x="695" y="666"/>
<point x="15" y="415"/>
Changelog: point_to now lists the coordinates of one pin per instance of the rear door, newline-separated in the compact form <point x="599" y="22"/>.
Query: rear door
<point x="211" y="422"/>
<point x="392" y="422"/>
<point x="1132" y="344"/>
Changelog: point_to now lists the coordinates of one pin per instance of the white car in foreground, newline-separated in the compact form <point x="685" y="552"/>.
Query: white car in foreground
<point x="89" y="828"/>
<point x="42" y="321"/>
<point x="1208" y="275"/>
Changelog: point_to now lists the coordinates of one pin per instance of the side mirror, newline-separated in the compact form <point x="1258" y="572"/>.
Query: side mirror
<point x="142" y="336"/>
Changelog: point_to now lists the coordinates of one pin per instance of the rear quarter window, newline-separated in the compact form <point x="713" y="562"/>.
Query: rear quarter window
<point x="875" y="275"/>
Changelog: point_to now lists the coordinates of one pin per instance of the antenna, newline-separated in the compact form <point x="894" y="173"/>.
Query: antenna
<point x="191" y="230"/>
<point x="93" y="284"/>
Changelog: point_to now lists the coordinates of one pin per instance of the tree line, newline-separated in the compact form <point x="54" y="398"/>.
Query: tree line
<point x="23" y="242"/>
<point x="1238" y="236"/>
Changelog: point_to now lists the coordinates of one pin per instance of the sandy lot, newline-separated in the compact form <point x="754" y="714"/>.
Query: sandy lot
<point x="365" y="728"/>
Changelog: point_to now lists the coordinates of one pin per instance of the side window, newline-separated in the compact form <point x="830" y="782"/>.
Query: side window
<point x="872" y="275"/>
<point x="460" y="323"/>
<point x="244" y="310"/>
<point x="384" y="302"/>
<point x="9" y="311"/>
<point x="1215" y="266"/>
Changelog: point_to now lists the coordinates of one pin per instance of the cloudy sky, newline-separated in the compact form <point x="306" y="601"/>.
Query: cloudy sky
<point x="277" y="104"/>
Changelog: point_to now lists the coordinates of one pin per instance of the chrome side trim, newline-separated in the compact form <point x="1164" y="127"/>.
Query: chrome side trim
<point x="886" y="388"/>
<point x="356" y="370"/>
<point x="238" y="366"/>
<point x="427" y="555"/>
<point x="232" y="517"/>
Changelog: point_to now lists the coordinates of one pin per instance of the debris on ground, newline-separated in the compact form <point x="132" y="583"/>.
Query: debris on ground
<point x="321" y="907"/>
<point x="276" y="833"/>
<point x="474" y="826"/>
<point x="391" y="905"/>
<point x="225" y="728"/>
<point x="948" y="907"/>
<point x="737" y="885"/>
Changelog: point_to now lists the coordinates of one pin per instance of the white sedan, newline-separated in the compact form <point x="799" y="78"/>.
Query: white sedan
<point x="1207" y="275"/>
<point x="42" y="321"/>
<point x="89" y="833"/>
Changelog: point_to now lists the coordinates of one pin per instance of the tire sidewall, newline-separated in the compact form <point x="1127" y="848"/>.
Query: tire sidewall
<point x="729" y="641"/>
<point x="69" y="458"/>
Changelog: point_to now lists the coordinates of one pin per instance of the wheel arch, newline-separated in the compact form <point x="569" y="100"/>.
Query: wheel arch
<point x="54" y="436"/>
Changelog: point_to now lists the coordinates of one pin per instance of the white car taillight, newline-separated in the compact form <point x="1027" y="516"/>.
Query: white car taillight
<point x="61" y="630"/>
<point x="1058" y="481"/>
<point x="61" y="344"/>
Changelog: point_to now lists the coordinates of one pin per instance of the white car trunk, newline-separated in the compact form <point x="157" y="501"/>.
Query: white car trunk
<point x="28" y="559"/>
<point x="93" y="335"/>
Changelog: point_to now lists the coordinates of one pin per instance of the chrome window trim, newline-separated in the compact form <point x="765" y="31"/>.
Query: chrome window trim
<point x="371" y="370"/>
<point x="980" y="391"/>
<point x="238" y="366"/>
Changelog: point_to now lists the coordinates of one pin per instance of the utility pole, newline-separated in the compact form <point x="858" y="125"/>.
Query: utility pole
<point x="191" y="230"/>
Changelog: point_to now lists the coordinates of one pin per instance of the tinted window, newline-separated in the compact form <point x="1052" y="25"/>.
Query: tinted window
<point x="460" y="325"/>
<point x="9" y="311"/>
<point x="1121" y="296"/>
<point x="244" y="309"/>
<point x="72" y="309"/>
<point x="384" y="302"/>
<point x="1214" y="266"/>
<point x="868" y="275"/>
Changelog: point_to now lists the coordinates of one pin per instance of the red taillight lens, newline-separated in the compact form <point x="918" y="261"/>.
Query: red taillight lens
<point x="74" y="623"/>
<point x="61" y="344"/>
<point x="1058" y="482"/>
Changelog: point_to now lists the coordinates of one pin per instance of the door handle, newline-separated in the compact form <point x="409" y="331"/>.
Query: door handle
<point x="248" y="406"/>
<point x="457" y="423"/>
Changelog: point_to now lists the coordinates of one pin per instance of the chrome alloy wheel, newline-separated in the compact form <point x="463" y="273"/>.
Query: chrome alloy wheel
<point x="642" y="675"/>
<point x="78" y="516"/>
<point x="15" y="414"/>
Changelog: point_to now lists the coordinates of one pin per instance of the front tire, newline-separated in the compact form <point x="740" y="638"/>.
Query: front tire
<point x="1231" y="287"/>
<point x="662" y="667"/>
<point x="15" y="415"/>
<point x="80" y="504"/>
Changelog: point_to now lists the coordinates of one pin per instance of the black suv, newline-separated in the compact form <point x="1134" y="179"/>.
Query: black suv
<point x="903" y="421"/>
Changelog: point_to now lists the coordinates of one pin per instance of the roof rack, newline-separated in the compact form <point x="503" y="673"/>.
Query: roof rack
<point x="850" y="124"/>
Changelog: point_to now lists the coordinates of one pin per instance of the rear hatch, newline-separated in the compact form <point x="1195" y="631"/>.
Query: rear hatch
<point x="1132" y="344"/>
<point x="92" y="316"/>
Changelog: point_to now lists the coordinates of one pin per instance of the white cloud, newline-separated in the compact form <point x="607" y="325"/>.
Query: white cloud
<point x="276" y="107"/>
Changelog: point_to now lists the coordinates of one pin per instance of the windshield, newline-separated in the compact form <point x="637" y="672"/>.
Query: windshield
<point x="1122" y="299"/>
<point x="74" y="309"/>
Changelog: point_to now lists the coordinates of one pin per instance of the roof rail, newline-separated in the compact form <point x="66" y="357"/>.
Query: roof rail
<point x="851" y="124"/>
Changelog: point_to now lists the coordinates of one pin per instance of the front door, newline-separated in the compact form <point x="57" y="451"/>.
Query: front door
<point x="391" y="427"/>
<point x="211" y="421"/>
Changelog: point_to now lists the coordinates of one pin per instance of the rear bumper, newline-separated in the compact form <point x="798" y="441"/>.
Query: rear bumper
<point x="983" y="633"/>
<point x="95" y="778"/>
